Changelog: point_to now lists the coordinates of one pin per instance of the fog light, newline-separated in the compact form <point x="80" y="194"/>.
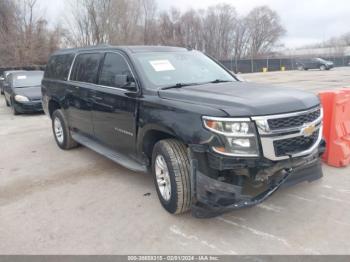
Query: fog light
<point x="240" y="142"/>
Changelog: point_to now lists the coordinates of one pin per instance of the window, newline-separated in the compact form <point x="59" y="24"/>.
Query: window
<point x="85" y="68"/>
<point x="58" y="66"/>
<point x="26" y="79"/>
<point x="169" y="68"/>
<point x="114" y="67"/>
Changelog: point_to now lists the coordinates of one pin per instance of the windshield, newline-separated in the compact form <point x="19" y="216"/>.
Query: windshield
<point x="27" y="80"/>
<point x="189" y="67"/>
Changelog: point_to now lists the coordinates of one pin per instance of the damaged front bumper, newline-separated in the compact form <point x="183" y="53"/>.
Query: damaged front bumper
<point x="212" y="195"/>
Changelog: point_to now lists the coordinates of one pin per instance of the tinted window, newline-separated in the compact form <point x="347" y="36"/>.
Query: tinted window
<point x="114" y="65"/>
<point x="27" y="80"/>
<point x="85" y="68"/>
<point x="58" y="66"/>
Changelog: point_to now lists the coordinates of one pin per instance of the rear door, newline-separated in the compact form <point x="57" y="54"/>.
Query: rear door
<point x="115" y="104"/>
<point x="83" y="79"/>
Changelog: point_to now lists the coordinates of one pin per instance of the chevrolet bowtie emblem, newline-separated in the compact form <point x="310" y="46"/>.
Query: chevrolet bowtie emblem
<point x="308" y="130"/>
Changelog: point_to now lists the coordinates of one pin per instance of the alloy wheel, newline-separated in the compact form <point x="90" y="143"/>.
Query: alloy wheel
<point x="163" y="177"/>
<point x="58" y="130"/>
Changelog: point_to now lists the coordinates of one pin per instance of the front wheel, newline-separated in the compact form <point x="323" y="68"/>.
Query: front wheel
<point x="323" y="67"/>
<point x="61" y="131"/>
<point x="171" y="172"/>
<point x="14" y="110"/>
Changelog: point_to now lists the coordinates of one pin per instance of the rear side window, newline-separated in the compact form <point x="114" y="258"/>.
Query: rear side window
<point x="114" y="65"/>
<point x="85" y="68"/>
<point x="58" y="67"/>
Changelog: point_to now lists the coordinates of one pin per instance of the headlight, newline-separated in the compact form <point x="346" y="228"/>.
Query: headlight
<point x="263" y="125"/>
<point x="238" y="135"/>
<point x="20" y="98"/>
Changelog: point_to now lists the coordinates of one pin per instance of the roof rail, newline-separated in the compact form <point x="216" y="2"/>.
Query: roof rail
<point x="81" y="48"/>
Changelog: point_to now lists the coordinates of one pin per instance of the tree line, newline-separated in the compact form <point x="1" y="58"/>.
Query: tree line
<point x="26" y="37"/>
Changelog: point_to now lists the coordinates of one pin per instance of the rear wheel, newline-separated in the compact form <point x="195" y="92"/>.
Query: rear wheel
<point x="171" y="171"/>
<point x="301" y="68"/>
<point x="61" y="131"/>
<point x="322" y="67"/>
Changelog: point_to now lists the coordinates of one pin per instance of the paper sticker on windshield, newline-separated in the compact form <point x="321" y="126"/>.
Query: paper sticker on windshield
<point x="162" y="65"/>
<point x="21" y="77"/>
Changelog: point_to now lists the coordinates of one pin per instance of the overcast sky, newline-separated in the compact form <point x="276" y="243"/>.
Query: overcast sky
<point x="306" y="21"/>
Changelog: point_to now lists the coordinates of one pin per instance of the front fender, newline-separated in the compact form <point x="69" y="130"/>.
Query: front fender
<point x="180" y="120"/>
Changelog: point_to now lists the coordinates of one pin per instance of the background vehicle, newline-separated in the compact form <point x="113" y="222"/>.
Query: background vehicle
<point x="213" y="143"/>
<point x="3" y="79"/>
<point x="314" y="63"/>
<point x="23" y="91"/>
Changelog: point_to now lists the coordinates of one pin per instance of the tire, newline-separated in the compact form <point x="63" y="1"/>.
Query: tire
<point x="14" y="111"/>
<point x="61" y="131"/>
<point x="174" y="154"/>
<point x="323" y="67"/>
<point x="301" y="68"/>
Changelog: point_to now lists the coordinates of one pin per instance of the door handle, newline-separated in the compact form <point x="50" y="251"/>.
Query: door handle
<point x="98" y="98"/>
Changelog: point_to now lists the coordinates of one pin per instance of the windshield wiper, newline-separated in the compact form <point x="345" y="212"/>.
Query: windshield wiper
<point x="216" y="81"/>
<point x="179" y="85"/>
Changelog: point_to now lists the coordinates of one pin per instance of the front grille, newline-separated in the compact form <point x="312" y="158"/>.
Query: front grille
<point x="294" y="121"/>
<point x="294" y="145"/>
<point x="36" y="99"/>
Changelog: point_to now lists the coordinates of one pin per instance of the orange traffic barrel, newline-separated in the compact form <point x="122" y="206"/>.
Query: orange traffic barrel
<point x="336" y="106"/>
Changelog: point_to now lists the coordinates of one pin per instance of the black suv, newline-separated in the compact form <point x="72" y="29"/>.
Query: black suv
<point x="314" y="63"/>
<point x="213" y="143"/>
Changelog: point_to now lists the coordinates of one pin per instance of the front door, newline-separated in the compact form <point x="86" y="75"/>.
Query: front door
<point x="115" y="105"/>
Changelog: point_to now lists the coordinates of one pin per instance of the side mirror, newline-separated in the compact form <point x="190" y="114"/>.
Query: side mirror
<point x="124" y="81"/>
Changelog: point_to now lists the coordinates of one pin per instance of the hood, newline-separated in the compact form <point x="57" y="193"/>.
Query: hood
<point x="244" y="98"/>
<point x="33" y="93"/>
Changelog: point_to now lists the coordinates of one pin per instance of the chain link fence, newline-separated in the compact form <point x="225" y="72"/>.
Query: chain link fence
<point x="274" y="64"/>
<point x="239" y="66"/>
